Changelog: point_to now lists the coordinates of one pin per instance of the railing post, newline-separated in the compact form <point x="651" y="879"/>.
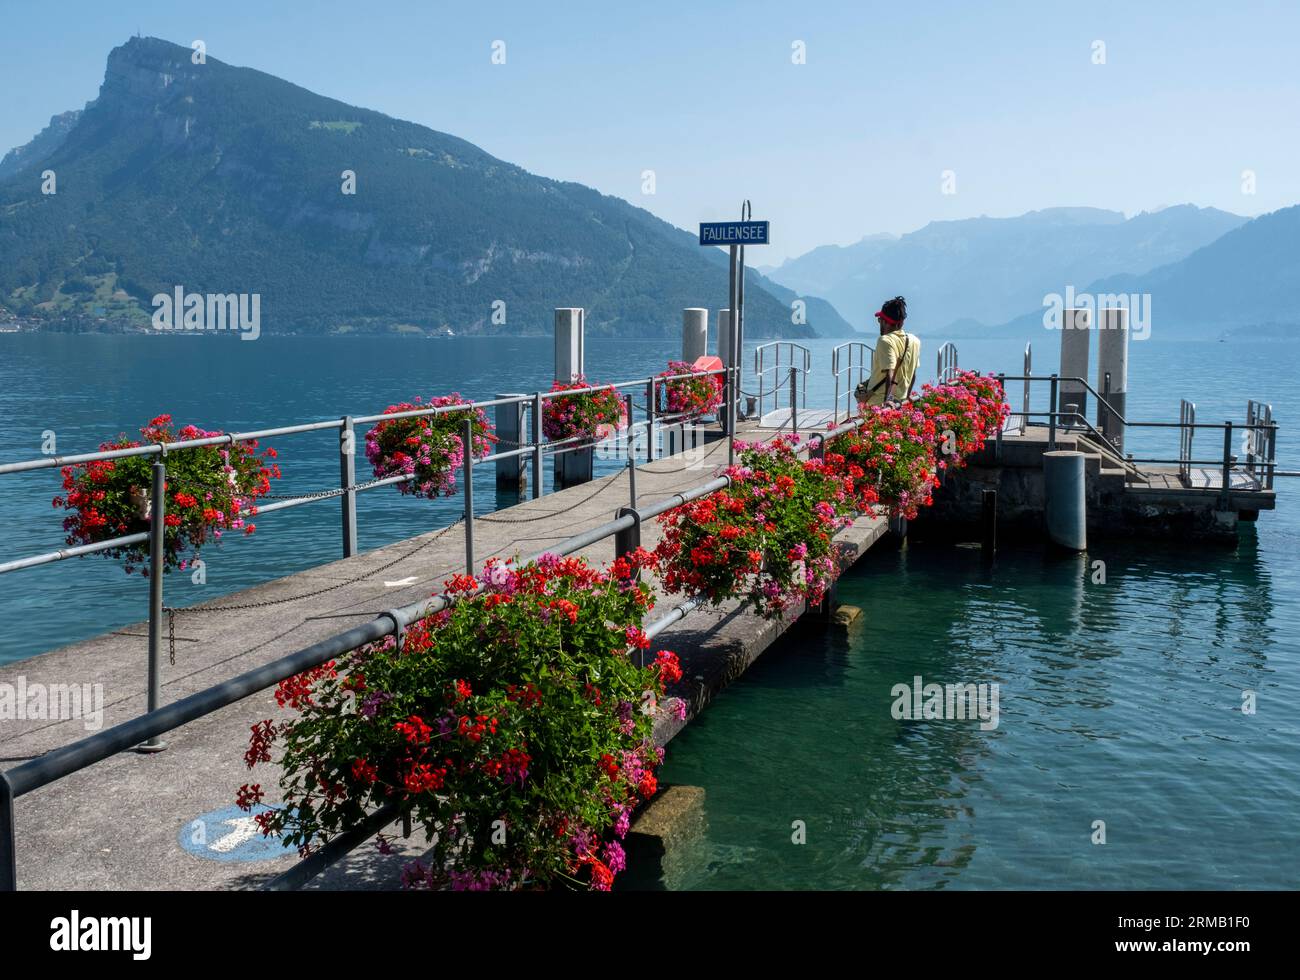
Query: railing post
<point x="628" y="539"/>
<point x="651" y="393"/>
<point x="347" y="483"/>
<point x="1051" y="414"/>
<point x="467" y="447"/>
<point x="157" y="559"/>
<point x="8" y="850"/>
<point x="537" y="445"/>
<point x="997" y="449"/>
<point x="631" y="451"/>
<point x="794" y="403"/>
<point x="1226" y="491"/>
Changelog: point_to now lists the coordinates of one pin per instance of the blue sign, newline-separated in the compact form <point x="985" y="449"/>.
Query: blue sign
<point x="231" y="834"/>
<point x="733" y="232"/>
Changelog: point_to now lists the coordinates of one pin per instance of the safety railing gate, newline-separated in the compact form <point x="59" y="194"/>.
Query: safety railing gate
<point x="1259" y="443"/>
<point x="947" y="362"/>
<point x="776" y="373"/>
<point x="851" y="364"/>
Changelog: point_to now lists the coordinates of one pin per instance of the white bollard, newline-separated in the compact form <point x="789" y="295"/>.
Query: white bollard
<point x="695" y="334"/>
<point x="569" y="329"/>
<point x="575" y="466"/>
<point x="1112" y="359"/>
<point x="1076" y="333"/>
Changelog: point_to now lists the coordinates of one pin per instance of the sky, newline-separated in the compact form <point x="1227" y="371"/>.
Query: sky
<point x="836" y="119"/>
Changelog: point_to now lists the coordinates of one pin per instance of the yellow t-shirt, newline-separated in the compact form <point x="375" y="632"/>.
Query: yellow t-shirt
<point x="900" y="351"/>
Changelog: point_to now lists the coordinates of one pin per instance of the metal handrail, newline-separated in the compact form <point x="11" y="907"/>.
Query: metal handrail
<point x="761" y="369"/>
<point x="864" y="362"/>
<point x="68" y="759"/>
<point x="946" y="366"/>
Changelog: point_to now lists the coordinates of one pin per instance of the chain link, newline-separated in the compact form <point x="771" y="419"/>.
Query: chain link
<point x="171" y="611"/>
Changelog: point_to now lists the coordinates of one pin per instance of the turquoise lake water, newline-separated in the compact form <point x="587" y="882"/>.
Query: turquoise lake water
<point x="1119" y="702"/>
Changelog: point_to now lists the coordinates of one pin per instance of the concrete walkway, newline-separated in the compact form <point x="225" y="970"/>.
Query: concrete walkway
<point x="120" y="823"/>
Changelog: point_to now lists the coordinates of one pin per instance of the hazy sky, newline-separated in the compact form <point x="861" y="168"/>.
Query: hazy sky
<point x="854" y="141"/>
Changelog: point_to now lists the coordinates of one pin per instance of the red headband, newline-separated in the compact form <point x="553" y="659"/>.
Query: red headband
<point x="887" y="318"/>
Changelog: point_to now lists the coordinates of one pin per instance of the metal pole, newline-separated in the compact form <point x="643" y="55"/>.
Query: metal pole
<point x="347" y="483"/>
<point x="733" y="396"/>
<point x="997" y="450"/>
<point x="537" y="445"/>
<point x="8" y="854"/>
<point x="631" y="452"/>
<point x="1051" y="425"/>
<point x="157" y="559"/>
<point x="467" y="447"/>
<point x="794" y="403"/>
<point x="1225" y="493"/>
<point x="650" y="396"/>
<point x="731" y="417"/>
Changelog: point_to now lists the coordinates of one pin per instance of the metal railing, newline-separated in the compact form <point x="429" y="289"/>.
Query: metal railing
<point x="66" y="760"/>
<point x="1259" y="418"/>
<point x="537" y="448"/>
<point x="946" y="365"/>
<point x="851" y="373"/>
<point x="1029" y="373"/>
<point x="798" y="360"/>
<point x="1265" y="435"/>
<point x="1186" y="416"/>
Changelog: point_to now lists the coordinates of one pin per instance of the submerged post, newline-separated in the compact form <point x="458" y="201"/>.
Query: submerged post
<point x="1065" y="500"/>
<point x="347" y="483"/>
<point x="157" y="559"/>
<point x="989" y="520"/>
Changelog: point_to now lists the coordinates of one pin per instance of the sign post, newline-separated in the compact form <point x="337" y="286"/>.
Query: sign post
<point x="735" y="235"/>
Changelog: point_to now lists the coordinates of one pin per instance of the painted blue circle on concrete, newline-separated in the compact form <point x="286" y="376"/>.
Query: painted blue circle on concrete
<point x="230" y="834"/>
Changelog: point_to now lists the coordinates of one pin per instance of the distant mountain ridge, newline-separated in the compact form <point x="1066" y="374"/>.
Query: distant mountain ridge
<point x="989" y="270"/>
<point x="228" y="180"/>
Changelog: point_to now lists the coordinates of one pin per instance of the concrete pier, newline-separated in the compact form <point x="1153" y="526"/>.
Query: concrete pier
<point x="119" y="824"/>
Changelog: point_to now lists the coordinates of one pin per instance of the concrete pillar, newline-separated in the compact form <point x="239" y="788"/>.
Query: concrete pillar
<point x="1065" y="501"/>
<point x="1112" y="359"/>
<point x="695" y="334"/>
<point x="575" y="466"/>
<point x="510" y="435"/>
<point x="1076" y="331"/>
<point x="569" y="329"/>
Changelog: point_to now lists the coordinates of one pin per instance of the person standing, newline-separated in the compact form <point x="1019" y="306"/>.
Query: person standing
<point x="895" y="359"/>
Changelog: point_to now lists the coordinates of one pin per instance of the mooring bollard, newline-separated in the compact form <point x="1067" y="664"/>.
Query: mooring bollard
<point x="1065" y="499"/>
<point x="157" y="558"/>
<point x="510" y="433"/>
